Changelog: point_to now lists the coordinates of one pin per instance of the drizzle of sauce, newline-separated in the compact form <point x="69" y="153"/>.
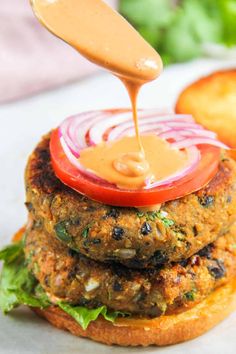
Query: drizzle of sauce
<point x="132" y="172"/>
<point x="107" y="39"/>
<point x="131" y="164"/>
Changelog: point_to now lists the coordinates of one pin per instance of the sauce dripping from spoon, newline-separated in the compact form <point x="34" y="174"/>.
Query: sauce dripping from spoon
<point x="105" y="38"/>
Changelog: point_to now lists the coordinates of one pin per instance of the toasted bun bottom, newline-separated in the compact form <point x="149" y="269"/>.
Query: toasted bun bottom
<point x="161" y="331"/>
<point x="164" y="330"/>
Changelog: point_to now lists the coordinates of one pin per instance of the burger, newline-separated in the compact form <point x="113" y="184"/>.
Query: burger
<point x="130" y="267"/>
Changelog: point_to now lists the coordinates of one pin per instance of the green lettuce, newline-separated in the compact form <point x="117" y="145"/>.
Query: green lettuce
<point x="19" y="287"/>
<point x="17" y="284"/>
<point x="84" y="316"/>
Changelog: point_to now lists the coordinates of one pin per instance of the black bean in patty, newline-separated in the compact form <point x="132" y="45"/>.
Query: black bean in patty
<point x="195" y="231"/>
<point x="113" y="213"/>
<point x="96" y="241"/>
<point x="146" y="228"/>
<point x="47" y="280"/>
<point x="29" y="206"/>
<point x="72" y="253"/>
<point x="184" y="263"/>
<point x="218" y="269"/>
<point x="206" y="251"/>
<point x="118" y="233"/>
<point x="117" y="286"/>
<point x="159" y="258"/>
<point x="206" y="201"/>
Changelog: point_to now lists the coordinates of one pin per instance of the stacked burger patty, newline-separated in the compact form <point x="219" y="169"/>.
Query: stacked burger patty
<point x="145" y="263"/>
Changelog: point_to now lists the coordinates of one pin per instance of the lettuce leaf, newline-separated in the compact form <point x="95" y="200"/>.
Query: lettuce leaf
<point x="11" y="252"/>
<point x="84" y="316"/>
<point x="19" y="287"/>
<point x="17" y="284"/>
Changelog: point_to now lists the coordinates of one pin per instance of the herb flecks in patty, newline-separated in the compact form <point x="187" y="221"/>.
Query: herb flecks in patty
<point x="85" y="231"/>
<point x="190" y="295"/>
<point x="154" y="215"/>
<point x="62" y="232"/>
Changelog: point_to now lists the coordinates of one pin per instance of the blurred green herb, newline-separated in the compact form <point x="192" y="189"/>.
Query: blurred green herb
<point x="85" y="231"/>
<point x="178" y="29"/>
<point x="191" y="295"/>
<point x="154" y="215"/>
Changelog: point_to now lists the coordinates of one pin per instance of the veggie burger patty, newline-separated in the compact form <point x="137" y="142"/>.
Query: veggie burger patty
<point x="71" y="277"/>
<point x="134" y="238"/>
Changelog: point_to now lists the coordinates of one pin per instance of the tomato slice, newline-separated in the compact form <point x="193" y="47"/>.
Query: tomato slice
<point x="109" y="194"/>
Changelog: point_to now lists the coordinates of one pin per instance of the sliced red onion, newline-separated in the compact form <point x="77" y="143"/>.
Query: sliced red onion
<point x="74" y="129"/>
<point x="150" y="128"/>
<point x="121" y="119"/>
<point x="146" y="124"/>
<point x="87" y="129"/>
<point x="75" y="162"/>
<point x="98" y="130"/>
<point x="192" y="140"/>
<point x="193" y="155"/>
<point x="186" y="133"/>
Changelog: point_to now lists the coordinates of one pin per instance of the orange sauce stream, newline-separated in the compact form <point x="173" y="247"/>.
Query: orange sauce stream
<point x="107" y="39"/>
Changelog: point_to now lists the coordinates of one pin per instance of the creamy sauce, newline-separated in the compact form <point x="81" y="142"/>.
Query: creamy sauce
<point x="107" y="39"/>
<point x="131" y="171"/>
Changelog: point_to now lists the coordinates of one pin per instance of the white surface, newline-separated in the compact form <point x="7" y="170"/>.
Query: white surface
<point x="22" y="125"/>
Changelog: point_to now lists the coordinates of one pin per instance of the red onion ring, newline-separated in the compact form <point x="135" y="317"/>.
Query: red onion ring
<point x="193" y="140"/>
<point x="90" y="128"/>
<point x="74" y="161"/>
<point x="193" y="156"/>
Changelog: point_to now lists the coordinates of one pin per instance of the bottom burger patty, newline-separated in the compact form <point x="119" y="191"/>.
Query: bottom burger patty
<point x="71" y="277"/>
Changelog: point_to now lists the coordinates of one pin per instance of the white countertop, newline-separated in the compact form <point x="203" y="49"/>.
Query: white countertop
<point x="22" y="125"/>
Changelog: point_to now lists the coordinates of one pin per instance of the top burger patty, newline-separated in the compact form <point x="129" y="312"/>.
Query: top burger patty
<point x="178" y="230"/>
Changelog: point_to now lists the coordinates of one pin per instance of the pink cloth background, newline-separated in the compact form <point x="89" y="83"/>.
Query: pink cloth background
<point x="31" y="59"/>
